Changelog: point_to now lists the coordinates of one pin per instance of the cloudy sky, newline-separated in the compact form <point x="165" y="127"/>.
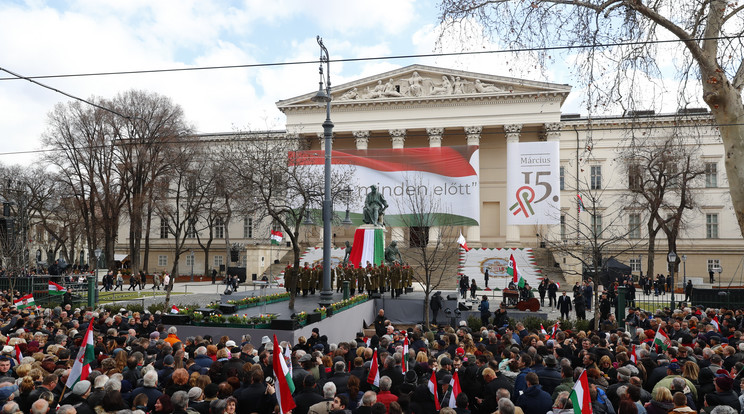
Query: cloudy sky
<point x="93" y="36"/>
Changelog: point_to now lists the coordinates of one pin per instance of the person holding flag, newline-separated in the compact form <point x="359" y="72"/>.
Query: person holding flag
<point x="283" y="380"/>
<point x="81" y="368"/>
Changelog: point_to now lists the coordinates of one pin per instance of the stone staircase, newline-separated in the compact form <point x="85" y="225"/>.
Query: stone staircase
<point x="547" y="264"/>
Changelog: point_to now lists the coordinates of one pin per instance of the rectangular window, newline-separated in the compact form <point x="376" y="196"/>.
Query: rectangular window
<point x="634" y="225"/>
<point x="218" y="261"/>
<point x="634" y="177"/>
<point x="219" y="228"/>
<point x="563" y="227"/>
<point x="711" y="175"/>
<point x="714" y="264"/>
<point x="191" y="229"/>
<point x="635" y="265"/>
<point x="672" y="175"/>
<point x="190" y="259"/>
<point x="248" y="228"/>
<point x="162" y="260"/>
<point x="711" y="226"/>
<point x="596" y="177"/>
<point x="164" y="231"/>
<point x="563" y="178"/>
<point x="597" y="225"/>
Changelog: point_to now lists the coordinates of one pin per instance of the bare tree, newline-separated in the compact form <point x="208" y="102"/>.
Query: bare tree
<point x="153" y="123"/>
<point x="433" y="252"/>
<point x="83" y="155"/>
<point x="709" y="41"/>
<point x="184" y="188"/>
<point x="592" y="242"/>
<point x="284" y="182"/>
<point x="662" y="174"/>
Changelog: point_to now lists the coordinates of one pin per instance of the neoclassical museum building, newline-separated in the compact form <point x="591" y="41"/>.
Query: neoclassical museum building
<point x="431" y="107"/>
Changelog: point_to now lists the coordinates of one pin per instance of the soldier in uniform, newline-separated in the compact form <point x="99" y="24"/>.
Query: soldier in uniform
<point x="305" y="279"/>
<point x="383" y="276"/>
<point x="371" y="279"/>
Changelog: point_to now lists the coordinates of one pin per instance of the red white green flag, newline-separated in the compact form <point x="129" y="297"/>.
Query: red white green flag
<point x="555" y="329"/>
<point x="55" y="289"/>
<point x="433" y="390"/>
<point x="374" y="372"/>
<point x="580" y="397"/>
<point x="284" y="384"/>
<point x="276" y="237"/>
<point x="174" y="309"/>
<point x="404" y="360"/>
<point x="456" y="390"/>
<point x="24" y="302"/>
<point x="633" y="356"/>
<point x="19" y="355"/>
<point x="369" y="247"/>
<point x="86" y="355"/>
<point x="662" y="340"/>
<point x="715" y="323"/>
<point x="511" y="270"/>
<point x="463" y="243"/>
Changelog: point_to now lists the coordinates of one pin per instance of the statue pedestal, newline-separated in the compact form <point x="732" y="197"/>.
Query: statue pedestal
<point x="369" y="246"/>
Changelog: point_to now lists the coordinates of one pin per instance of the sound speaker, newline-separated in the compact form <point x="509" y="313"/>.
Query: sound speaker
<point x="375" y="295"/>
<point x="227" y="308"/>
<point x="285" y="324"/>
<point x="169" y="319"/>
<point x="452" y="297"/>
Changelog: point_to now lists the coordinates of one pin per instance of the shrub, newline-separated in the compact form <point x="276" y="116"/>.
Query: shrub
<point x="474" y="323"/>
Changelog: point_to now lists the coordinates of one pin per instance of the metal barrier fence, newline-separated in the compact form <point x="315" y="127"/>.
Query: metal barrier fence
<point x="38" y="285"/>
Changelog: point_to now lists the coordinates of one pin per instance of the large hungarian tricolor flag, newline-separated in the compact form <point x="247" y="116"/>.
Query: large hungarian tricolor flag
<point x="456" y="390"/>
<point x="86" y="355"/>
<point x="24" y="302"/>
<point x="582" y="401"/>
<point x="373" y="378"/>
<point x="55" y="289"/>
<point x="580" y="201"/>
<point x="284" y="384"/>
<point x="276" y="237"/>
<point x="661" y="339"/>
<point x="511" y="270"/>
<point x="369" y="247"/>
<point x="433" y="390"/>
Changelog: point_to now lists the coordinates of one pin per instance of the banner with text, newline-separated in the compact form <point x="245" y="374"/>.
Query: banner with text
<point x="447" y="177"/>
<point x="532" y="183"/>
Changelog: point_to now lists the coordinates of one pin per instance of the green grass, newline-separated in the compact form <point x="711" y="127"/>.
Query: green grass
<point x="104" y="297"/>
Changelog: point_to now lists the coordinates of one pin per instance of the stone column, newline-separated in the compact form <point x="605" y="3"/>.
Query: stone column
<point x="473" y="233"/>
<point x="362" y="139"/>
<point x="435" y="137"/>
<point x="398" y="136"/>
<point x="473" y="134"/>
<point x="512" y="132"/>
<point x="321" y="138"/>
<point x="552" y="133"/>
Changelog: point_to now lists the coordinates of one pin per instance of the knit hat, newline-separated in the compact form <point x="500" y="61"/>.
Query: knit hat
<point x="195" y="393"/>
<point x="724" y="383"/>
<point x="81" y="387"/>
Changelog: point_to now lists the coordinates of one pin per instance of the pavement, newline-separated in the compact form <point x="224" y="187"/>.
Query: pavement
<point x="204" y="293"/>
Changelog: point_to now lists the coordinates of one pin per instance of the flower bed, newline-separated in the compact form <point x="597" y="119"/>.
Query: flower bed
<point x="341" y="305"/>
<point x="252" y="301"/>
<point x="262" y="321"/>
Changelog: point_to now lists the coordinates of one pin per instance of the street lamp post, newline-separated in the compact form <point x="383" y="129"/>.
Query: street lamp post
<point x="97" y="252"/>
<point x="324" y="96"/>
<point x="720" y="270"/>
<point x="684" y="272"/>
<point x="672" y="259"/>
<point x="191" y="253"/>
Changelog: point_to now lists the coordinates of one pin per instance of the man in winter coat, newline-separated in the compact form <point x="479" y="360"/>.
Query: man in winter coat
<point x="564" y="305"/>
<point x="534" y="400"/>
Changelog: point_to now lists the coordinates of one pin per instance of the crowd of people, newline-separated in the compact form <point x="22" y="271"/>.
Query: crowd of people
<point x="143" y="366"/>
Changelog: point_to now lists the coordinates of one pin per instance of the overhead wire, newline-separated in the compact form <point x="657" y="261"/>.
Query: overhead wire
<point x="32" y="79"/>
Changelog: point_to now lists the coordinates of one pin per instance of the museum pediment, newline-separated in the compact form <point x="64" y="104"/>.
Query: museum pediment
<point x="417" y="83"/>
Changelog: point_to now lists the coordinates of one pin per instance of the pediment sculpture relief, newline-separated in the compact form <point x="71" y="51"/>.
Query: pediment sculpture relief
<point x="418" y="86"/>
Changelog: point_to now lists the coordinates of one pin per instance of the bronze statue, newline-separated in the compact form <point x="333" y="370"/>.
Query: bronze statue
<point x="392" y="255"/>
<point x="374" y="207"/>
<point x="347" y="252"/>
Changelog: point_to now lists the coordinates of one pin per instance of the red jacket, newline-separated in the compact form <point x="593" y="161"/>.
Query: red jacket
<point x="386" y="398"/>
